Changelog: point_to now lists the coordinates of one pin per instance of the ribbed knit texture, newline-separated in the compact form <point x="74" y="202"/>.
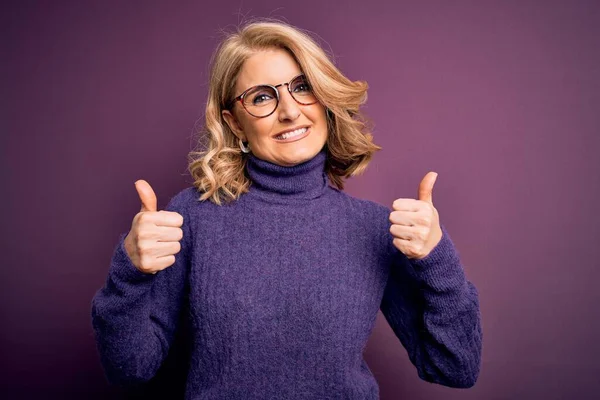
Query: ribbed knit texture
<point x="274" y="296"/>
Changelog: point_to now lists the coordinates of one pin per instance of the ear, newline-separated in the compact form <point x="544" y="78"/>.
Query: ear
<point x="233" y="125"/>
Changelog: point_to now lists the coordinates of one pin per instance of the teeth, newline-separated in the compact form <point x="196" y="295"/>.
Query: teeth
<point x="291" y="134"/>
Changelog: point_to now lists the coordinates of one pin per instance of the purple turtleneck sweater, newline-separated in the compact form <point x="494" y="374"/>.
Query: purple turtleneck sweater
<point x="274" y="296"/>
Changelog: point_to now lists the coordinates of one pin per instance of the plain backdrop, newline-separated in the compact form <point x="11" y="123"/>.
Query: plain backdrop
<point x="500" y="98"/>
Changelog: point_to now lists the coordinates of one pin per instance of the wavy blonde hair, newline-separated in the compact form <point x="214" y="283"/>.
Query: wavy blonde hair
<point x="218" y="171"/>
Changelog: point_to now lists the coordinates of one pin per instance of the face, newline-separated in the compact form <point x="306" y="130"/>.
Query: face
<point x="273" y="67"/>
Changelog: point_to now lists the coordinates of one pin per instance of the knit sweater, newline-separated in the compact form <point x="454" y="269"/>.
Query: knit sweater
<point x="274" y="296"/>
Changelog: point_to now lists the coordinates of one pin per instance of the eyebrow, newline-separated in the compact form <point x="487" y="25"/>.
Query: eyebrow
<point x="274" y="84"/>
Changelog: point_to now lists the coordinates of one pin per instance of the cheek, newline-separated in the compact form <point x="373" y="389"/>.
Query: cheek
<point x="255" y="128"/>
<point x="262" y="128"/>
<point x="319" y="117"/>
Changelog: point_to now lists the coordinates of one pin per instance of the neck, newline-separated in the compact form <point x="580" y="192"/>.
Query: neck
<point x="304" y="181"/>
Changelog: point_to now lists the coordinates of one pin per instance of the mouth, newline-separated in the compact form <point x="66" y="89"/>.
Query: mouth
<point x="292" y="136"/>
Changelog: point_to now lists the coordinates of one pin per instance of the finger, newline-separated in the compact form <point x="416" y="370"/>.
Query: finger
<point x="402" y="244"/>
<point x="426" y="187"/>
<point x="420" y="218"/>
<point x="161" y="218"/>
<point x="156" y="249"/>
<point x="146" y="194"/>
<point x="402" y="218"/>
<point x="164" y="249"/>
<point x="164" y="262"/>
<point x="169" y="234"/>
<point x="403" y="232"/>
<point x="161" y="234"/>
<point x="406" y="205"/>
<point x="169" y="218"/>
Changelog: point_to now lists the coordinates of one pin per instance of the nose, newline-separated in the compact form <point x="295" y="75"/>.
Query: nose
<point x="288" y="107"/>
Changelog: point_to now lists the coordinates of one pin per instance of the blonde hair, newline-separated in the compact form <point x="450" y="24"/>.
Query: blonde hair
<point x="218" y="171"/>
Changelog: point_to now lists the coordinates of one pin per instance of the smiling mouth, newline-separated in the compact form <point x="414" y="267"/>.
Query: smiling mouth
<point x="292" y="136"/>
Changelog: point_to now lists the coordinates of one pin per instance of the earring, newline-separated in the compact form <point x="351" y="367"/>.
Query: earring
<point x="245" y="149"/>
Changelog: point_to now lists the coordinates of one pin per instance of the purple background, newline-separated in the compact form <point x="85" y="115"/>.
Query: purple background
<point x="502" y="99"/>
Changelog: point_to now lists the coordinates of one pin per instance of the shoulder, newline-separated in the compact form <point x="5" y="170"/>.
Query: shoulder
<point x="372" y="219"/>
<point x="357" y="203"/>
<point x="187" y="202"/>
<point x="368" y="209"/>
<point x="183" y="200"/>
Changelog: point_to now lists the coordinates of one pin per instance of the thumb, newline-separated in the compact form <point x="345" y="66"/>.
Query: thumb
<point x="426" y="187"/>
<point x="147" y="196"/>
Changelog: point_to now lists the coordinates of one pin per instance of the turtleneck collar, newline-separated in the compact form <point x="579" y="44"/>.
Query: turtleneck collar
<point x="277" y="183"/>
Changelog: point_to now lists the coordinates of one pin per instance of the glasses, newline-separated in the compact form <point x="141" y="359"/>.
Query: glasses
<point x="262" y="100"/>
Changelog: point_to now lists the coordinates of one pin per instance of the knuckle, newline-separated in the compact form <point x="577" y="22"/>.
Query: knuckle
<point x="135" y="238"/>
<point x="146" y="270"/>
<point x="144" y="250"/>
<point x="144" y="262"/>
<point x="139" y="243"/>
<point x="144" y="217"/>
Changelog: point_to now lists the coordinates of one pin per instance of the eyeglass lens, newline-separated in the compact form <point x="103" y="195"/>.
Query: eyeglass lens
<point x="262" y="100"/>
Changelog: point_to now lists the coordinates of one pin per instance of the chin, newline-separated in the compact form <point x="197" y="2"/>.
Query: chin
<point x="300" y="155"/>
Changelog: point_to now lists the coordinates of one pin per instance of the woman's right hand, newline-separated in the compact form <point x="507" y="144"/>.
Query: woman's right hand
<point x="153" y="240"/>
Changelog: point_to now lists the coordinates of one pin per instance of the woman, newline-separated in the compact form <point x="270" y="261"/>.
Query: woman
<point x="265" y="272"/>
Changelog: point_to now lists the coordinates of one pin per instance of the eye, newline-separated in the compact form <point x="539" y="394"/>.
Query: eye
<point x="302" y="87"/>
<point x="261" y="98"/>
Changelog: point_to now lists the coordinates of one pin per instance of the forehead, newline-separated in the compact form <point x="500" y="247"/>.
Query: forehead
<point x="271" y="66"/>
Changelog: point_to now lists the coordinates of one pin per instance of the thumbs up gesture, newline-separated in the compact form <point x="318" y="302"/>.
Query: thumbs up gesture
<point x="153" y="240"/>
<point x="415" y="223"/>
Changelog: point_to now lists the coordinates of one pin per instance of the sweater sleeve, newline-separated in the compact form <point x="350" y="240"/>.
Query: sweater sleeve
<point x="434" y="311"/>
<point x="135" y="315"/>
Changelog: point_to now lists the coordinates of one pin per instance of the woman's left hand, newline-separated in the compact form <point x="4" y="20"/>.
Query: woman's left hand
<point x="416" y="223"/>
